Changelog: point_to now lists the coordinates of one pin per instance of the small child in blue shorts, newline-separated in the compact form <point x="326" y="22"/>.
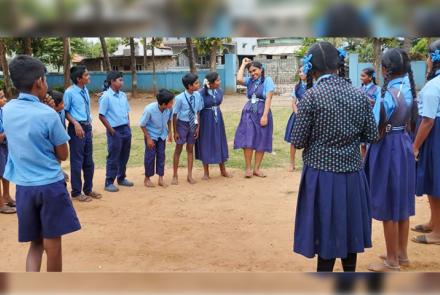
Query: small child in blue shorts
<point x="44" y="208"/>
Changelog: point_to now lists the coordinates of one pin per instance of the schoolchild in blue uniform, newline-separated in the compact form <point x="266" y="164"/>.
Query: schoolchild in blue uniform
<point x="427" y="148"/>
<point x="44" y="209"/>
<point x="372" y="90"/>
<point x="297" y="95"/>
<point x="333" y="214"/>
<point x="58" y="102"/>
<point x="77" y="110"/>
<point x="113" y="113"/>
<point x="7" y="204"/>
<point x="156" y="126"/>
<point x="390" y="163"/>
<point x="186" y="118"/>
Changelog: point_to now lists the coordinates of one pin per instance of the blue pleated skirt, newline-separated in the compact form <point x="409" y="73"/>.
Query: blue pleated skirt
<point x="289" y="128"/>
<point x="333" y="214"/>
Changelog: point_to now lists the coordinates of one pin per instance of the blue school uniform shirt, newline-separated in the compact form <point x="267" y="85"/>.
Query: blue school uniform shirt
<point x="429" y="98"/>
<point x="33" y="130"/>
<point x="301" y="90"/>
<point x="156" y="121"/>
<point x="389" y="103"/>
<point x="62" y="115"/>
<point x="114" y="107"/>
<point x="268" y="85"/>
<point x="181" y="106"/>
<point x="1" y="125"/>
<point x="376" y="93"/>
<point x="77" y="103"/>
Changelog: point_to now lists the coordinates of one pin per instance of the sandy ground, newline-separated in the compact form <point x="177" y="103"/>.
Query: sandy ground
<point x="220" y="225"/>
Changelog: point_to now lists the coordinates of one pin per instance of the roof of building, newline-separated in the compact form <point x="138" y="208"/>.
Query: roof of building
<point x="276" y="50"/>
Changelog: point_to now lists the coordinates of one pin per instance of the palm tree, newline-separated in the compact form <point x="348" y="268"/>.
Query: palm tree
<point x="27" y="46"/>
<point x="144" y="45"/>
<point x="191" y="58"/>
<point x="66" y="61"/>
<point x="155" y="42"/>
<point x="133" y="68"/>
<point x="107" y="64"/>
<point x="5" y="68"/>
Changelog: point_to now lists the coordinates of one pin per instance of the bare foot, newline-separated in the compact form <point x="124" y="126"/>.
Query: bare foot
<point x="175" y="181"/>
<point x="226" y="174"/>
<point x="291" y="168"/>
<point x="190" y="180"/>
<point x="383" y="267"/>
<point x="148" y="183"/>
<point x="259" y="174"/>
<point x="205" y="177"/>
<point x="162" y="183"/>
<point x="402" y="261"/>
<point x="248" y="174"/>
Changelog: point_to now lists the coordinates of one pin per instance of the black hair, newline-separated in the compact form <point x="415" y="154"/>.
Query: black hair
<point x="189" y="79"/>
<point x="211" y="77"/>
<point x="164" y="96"/>
<point x="435" y="65"/>
<point x="76" y="72"/>
<point x="57" y="96"/>
<point x="111" y="76"/>
<point x="258" y="65"/>
<point x="371" y="72"/>
<point x="25" y="70"/>
<point x="325" y="59"/>
<point x="396" y="62"/>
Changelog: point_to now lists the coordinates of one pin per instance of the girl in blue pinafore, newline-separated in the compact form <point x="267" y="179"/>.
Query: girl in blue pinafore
<point x="297" y="95"/>
<point x="427" y="148"/>
<point x="333" y="217"/>
<point x="212" y="146"/>
<point x="254" y="132"/>
<point x="390" y="163"/>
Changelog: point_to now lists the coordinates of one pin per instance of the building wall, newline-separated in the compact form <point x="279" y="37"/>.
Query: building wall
<point x="282" y="72"/>
<point x="123" y="63"/>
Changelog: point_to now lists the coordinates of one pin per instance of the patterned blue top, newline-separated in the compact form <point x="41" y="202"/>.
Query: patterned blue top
<point x="333" y="119"/>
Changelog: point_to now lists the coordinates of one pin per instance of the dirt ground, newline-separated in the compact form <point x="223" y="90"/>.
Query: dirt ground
<point x="220" y="225"/>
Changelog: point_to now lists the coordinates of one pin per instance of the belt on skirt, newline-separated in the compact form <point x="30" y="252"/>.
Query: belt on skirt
<point x="389" y="128"/>
<point x="85" y="123"/>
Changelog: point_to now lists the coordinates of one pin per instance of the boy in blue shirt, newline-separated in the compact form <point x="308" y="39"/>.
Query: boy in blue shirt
<point x="77" y="111"/>
<point x="186" y="123"/>
<point x="113" y="113"/>
<point x="155" y="124"/>
<point x="44" y="208"/>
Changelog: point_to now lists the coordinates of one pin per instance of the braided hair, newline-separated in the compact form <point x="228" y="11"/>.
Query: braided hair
<point x="325" y="59"/>
<point x="211" y="77"/>
<point x="396" y="62"/>
<point x="370" y="72"/>
<point x="435" y="64"/>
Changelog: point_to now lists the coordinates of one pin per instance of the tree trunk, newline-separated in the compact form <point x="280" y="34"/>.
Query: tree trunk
<point x="145" y="52"/>
<point x="5" y="69"/>
<point x="107" y="64"/>
<point x="407" y="44"/>
<point x="377" y="51"/>
<point x="153" y="44"/>
<point x="213" y="57"/>
<point x="66" y="61"/>
<point x="27" y="46"/>
<point x="191" y="58"/>
<point x="133" y="68"/>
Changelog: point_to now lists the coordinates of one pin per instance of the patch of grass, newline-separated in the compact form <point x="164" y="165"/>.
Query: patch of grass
<point x="278" y="158"/>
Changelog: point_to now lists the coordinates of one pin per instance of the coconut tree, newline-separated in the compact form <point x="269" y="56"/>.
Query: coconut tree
<point x="107" y="64"/>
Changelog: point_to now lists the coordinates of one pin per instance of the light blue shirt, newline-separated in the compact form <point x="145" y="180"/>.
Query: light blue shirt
<point x="33" y="130"/>
<point x="376" y="93"/>
<point x="62" y="115"/>
<point x="181" y="106"/>
<point x="268" y="85"/>
<point x="429" y="99"/>
<point x="114" y="107"/>
<point x="389" y="103"/>
<point x="156" y="121"/>
<point x="77" y="103"/>
<point x="1" y="121"/>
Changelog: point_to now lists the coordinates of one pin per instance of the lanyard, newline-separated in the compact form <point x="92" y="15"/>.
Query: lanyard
<point x="189" y="103"/>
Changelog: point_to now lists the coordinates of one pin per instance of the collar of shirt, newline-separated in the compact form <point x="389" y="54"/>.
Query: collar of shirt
<point x="27" y="96"/>
<point x="437" y="72"/>
<point x="396" y="81"/>
<point x="323" y="77"/>
<point x="212" y="92"/>
<point x="368" y="86"/>
<point x="189" y="95"/>
<point x="113" y="93"/>
<point x="79" y="89"/>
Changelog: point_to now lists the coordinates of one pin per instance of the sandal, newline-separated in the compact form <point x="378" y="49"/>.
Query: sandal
<point x="94" y="195"/>
<point x="11" y="203"/>
<point x="383" y="267"/>
<point x="402" y="262"/>
<point x="7" y="210"/>
<point x="422" y="239"/>
<point x="260" y="174"/>
<point x="421" y="229"/>
<point x="83" y="198"/>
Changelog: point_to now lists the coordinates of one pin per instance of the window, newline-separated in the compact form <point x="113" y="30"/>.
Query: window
<point x="272" y="41"/>
<point x="139" y="67"/>
<point x="269" y="56"/>
<point x="283" y="57"/>
<point x="244" y="45"/>
<point x="115" y="68"/>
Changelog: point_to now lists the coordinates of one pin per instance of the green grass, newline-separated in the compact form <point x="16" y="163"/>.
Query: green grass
<point x="278" y="158"/>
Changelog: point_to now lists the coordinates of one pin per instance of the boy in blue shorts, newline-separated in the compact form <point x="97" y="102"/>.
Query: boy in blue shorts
<point x="44" y="208"/>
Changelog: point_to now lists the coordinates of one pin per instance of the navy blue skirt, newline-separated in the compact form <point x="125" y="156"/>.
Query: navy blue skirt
<point x="390" y="168"/>
<point x="333" y="214"/>
<point x="289" y="128"/>
<point x="3" y="158"/>
<point x="428" y="165"/>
